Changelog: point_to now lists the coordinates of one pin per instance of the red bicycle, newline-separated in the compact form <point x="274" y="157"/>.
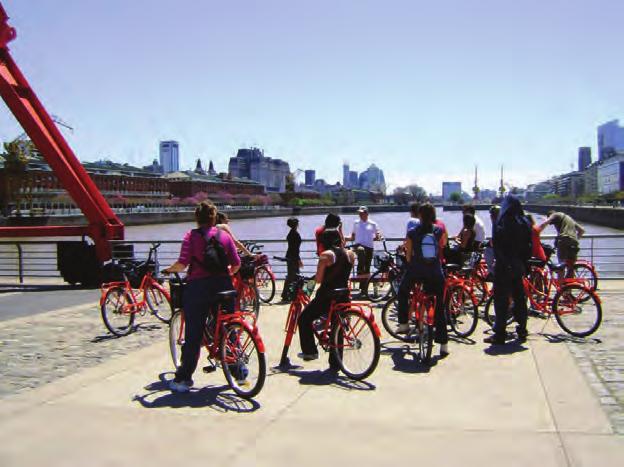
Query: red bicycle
<point x="576" y="307"/>
<point x="138" y="292"/>
<point x="232" y="341"/>
<point x="348" y="331"/>
<point x="421" y="319"/>
<point x="243" y="281"/>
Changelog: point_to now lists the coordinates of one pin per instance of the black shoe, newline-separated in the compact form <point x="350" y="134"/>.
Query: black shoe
<point x="494" y="340"/>
<point x="522" y="334"/>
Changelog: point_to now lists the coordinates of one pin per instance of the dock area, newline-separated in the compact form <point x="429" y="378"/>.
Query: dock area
<point x="70" y="394"/>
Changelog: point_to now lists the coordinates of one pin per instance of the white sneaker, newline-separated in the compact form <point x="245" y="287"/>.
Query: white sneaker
<point x="180" y="386"/>
<point x="403" y="329"/>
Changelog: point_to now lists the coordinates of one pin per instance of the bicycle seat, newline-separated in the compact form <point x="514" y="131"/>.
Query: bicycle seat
<point x="280" y="258"/>
<point x="339" y="293"/>
<point x="536" y="262"/>
<point x="226" y="294"/>
<point x="558" y="266"/>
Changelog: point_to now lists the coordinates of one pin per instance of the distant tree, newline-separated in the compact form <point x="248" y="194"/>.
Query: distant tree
<point x="16" y="156"/>
<point x="456" y="197"/>
<point x="417" y="193"/>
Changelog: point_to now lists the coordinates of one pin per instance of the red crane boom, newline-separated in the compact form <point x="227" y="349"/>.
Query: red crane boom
<point x="39" y="126"/>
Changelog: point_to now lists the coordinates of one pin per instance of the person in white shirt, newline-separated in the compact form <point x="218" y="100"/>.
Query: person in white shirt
<point x="364" y="234"/>
<point x="414" y="221"/>
<point x="479" y="226"/>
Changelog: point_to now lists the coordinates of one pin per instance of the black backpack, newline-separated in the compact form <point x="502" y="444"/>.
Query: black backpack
<point x="521" y="238"/>
<point x="215" y="259"/>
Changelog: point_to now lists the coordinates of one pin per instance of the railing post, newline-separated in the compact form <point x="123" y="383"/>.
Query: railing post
<point x="20" y="262"/>
<point x="592" y="250"/>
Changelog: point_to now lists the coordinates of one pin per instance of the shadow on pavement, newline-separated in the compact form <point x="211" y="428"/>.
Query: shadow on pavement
<point x="406" y="359"/>
<point x="561" y="337"/>
<point x="158" y="395"/>
<point x="505" y="349"/>
<point x="328" y="377"/>
<point x="149" y="327"/>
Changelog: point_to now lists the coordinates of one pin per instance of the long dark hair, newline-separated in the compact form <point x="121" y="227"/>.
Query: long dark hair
<point x="427" y="215"/>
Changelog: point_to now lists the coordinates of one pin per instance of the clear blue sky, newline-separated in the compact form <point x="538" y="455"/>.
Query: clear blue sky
<point x="424" y="89"/>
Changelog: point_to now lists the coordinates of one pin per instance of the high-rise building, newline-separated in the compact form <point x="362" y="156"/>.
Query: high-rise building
<point x="610" y="139"/>
<point x="310" y="177"/>
<point x="450" y="187"/>
<point x="611" y="174"/>
<point x="584" y="158"/>
<point x="345" y="176"/>
<point x="353" y="179"/>
<point x="252" y="164"/>
<point x="372" y="179"/>
<point x="169" y="156"/>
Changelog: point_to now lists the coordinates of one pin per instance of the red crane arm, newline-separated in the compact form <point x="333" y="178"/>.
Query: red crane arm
<point x="38" y="125"/>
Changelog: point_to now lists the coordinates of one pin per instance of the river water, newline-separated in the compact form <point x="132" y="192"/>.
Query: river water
<point x="392" y="225"/>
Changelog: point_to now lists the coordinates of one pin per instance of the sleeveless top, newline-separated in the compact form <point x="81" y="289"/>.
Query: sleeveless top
<point x="337" y="275"/>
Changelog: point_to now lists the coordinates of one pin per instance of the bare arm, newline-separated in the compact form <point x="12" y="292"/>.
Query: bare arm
<point x="238" y="244"/>
<point x="544" y="224"/>
<point x="175" y="267"/>
<point x="579" y="230"/>
<point x="326" y="259"/>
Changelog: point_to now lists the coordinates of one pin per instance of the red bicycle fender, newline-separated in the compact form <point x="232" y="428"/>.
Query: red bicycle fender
<point x="256" y="334"/>
<point x="376" y="328"/>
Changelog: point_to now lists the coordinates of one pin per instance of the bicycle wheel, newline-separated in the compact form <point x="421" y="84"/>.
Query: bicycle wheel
<point x="587" y="274"/>
<point x="176" y="337"/>
<point x="249" y="300"/>
<point x="243" y="364"/>
<point x="538" y="287"/>
<point x="577" y="310"/>
<point x="489" y="313"/>
<point x="355" y="345"/>
<point x="425" y="343"/>
<point x="390" y="320"/>
<point x="378" y="287"/>
<point x="461" y="311"/>
<point x="158" y="303"/>
<point x="265" y="283"/>
<point x="116" y="311"/>
<point x="480" y="289"/>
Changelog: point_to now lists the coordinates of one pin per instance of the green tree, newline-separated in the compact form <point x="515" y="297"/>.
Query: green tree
<point x="456" y="197"/>
<point x="15" y="181"/>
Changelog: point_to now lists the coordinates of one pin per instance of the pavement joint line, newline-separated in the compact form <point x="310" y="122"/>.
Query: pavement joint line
<point x="562" y="445"/>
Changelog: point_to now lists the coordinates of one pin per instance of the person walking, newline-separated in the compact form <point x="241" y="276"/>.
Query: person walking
<point x="332" y="272"/>
<point x="422" y="250"/>
<point x="512" y="249"/>
<point x="364" y="234"/>
<point x="567" y="241"/>
<point x="293" y="257"/>
<point x="204" y="282"/>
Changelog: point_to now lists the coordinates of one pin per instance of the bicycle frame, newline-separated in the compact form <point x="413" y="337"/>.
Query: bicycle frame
<point x="223" y="318"/>
<point x="139" y="302"/>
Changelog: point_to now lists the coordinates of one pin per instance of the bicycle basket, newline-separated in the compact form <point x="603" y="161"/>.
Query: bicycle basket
<point x="380" y="260"/>
<point x="247" y="268"/>
<point x="176" y="290"/>
<point x="112" y="272"/>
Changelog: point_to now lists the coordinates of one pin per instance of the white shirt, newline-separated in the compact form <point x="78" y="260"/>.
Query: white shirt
<point x="479" y="229"/>
<point x="365" y="232"/>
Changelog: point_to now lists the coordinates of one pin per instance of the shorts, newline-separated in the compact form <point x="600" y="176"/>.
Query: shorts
<point x="567" y="249"/>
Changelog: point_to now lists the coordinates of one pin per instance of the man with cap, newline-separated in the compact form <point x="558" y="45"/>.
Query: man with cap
<point x="364" y="234"/>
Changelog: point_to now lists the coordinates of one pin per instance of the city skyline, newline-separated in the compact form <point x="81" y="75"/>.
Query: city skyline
<point x="424" y="92"/>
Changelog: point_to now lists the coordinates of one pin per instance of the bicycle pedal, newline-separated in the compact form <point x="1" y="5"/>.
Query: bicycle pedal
<point x="209" y="368"/>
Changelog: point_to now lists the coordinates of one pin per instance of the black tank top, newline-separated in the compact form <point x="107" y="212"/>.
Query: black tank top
<point x="337" y="275"/>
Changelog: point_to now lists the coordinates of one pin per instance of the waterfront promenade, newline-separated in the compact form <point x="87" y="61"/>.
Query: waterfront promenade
<point x="71" y="394"/>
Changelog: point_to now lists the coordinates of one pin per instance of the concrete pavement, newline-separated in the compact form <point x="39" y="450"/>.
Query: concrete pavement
<point x="527" y="405"/>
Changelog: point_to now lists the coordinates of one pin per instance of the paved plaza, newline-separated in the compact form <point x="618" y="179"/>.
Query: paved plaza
<point x="71" y="394"/>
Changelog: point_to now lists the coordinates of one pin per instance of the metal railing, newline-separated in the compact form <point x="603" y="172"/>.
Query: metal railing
<point x="20" y="260"/>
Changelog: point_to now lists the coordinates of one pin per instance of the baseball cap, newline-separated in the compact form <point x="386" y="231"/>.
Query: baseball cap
<point x="363" y="209"/>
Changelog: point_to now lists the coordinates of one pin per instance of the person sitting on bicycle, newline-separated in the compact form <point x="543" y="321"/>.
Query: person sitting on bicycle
<point x="200" y="292"/>
<point x="332" y="272"/>
<point x="465" y="241"/>
<point x="223" y="223"/>
<point x="422" y="249"/>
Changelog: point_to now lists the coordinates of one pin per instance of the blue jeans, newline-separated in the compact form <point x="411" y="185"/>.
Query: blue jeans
<point x="200" y="299"/>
